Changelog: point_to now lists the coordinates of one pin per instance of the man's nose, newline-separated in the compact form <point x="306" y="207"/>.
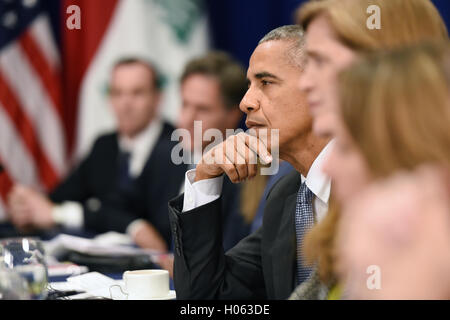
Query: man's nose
<point x="124" y="101"/>
<point x="186" y="119"/>
<point x="249" y="102"/>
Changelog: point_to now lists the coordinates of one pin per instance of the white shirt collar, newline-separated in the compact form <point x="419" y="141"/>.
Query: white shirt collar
<point x="318" y="182"/>
<point x="141" y="145"/>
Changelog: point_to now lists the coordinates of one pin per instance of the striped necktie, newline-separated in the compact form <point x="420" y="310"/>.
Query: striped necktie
<point x="304" y="220"/>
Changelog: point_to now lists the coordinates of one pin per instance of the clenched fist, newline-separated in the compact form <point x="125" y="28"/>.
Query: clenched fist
<point x="237" y="157"/>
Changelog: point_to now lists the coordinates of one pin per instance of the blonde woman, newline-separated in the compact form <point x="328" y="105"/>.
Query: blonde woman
<point x="337" y="33"/>
<point x="336" y="36"/>
<point x="395" y="111"/>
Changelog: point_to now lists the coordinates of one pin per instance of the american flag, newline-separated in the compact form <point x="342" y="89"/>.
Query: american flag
<point x="32" y="136"/>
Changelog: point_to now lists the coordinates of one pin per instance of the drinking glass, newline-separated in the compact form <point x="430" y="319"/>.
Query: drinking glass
<point x="25" y="257"/>
<point x="13" y="286"/>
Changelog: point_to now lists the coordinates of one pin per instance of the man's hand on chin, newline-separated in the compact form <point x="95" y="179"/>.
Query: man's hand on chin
<point x="237" y="157"/>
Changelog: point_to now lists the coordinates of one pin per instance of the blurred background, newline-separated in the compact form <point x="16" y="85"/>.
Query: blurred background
<point x="56" y="57"/>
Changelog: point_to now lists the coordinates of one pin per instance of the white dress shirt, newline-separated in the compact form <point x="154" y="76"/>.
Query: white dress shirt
<point x="205" y="191"/>
<point x="141" y="146"/>
<point x="70" y="213"/>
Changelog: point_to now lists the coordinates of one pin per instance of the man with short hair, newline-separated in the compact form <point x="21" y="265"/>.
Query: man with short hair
<point x="268" y="263"/>
<point x="131" y="161"/>
<point x="212" y="87"/>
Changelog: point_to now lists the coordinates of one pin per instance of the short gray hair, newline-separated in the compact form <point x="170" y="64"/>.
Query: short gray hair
<point x="293" y="33"/>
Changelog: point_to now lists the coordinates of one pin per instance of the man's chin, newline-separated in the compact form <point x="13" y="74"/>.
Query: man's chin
<point x="260" y="132"/>
<point x="269" y="137"/>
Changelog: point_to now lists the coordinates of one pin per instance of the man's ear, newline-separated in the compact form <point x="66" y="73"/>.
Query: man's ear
<point x="234" y="117"/>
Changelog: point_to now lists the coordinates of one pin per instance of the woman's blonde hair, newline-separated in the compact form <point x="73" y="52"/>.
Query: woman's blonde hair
<point x="403" y="23"/>
<point x="396" y="107"/>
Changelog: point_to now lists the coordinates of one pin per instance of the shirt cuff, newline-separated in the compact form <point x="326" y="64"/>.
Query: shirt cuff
<point x="134" y="227"/>
<point x="197" y="194"/>
<point x="69" y="214"/>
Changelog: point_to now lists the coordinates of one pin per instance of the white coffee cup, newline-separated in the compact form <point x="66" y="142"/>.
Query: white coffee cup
<point x="146" y="284"/>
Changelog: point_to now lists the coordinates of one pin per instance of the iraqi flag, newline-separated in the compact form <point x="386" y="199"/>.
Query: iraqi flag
<point x="167" y="32"/>
<point x="53" y="98"/>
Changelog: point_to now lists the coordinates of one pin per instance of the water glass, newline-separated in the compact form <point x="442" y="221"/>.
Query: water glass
<point x="25" y="257"/>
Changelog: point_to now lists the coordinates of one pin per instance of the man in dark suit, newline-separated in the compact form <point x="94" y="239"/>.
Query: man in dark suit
<point x="125" y="172"/>
<point x="268" y="263"/>
<point x="211" y="88"/>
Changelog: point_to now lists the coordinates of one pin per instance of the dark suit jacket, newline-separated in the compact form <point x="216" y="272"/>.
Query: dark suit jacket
<point x="106" y="208"/>
<point x="261" y="266"/>
<point x="234" y="227"/>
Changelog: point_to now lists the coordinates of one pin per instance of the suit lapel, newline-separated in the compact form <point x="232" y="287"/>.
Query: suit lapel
<point x="159" y="147"/>
<point x="284" y="253"/>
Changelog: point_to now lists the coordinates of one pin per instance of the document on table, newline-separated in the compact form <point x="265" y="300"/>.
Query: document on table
<point x="93" y="285"/>
<point x="109" y="244"/>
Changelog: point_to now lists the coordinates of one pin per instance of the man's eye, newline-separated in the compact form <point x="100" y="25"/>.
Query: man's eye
<point x="139" y="92"/>
<point x="315" y="60"/>
<point x="320" y="61"/>
<point x="265" y="82"/>
<point x="203" y="109"/>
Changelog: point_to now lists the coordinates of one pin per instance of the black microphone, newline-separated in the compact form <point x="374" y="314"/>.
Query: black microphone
<point x="1" y="168"/>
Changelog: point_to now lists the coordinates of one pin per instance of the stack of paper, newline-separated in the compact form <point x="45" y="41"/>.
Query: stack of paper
<point x="108" y="245"/>
<point x="93" y="285"/>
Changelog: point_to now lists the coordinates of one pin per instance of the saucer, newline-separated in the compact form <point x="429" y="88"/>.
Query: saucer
<point x="121" y="296"/>
<point x="171" y="296"/>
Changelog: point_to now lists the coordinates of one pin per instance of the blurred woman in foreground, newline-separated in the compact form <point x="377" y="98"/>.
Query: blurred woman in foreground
<point x="336" y="36"/>
<point x="390" y="167"/>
